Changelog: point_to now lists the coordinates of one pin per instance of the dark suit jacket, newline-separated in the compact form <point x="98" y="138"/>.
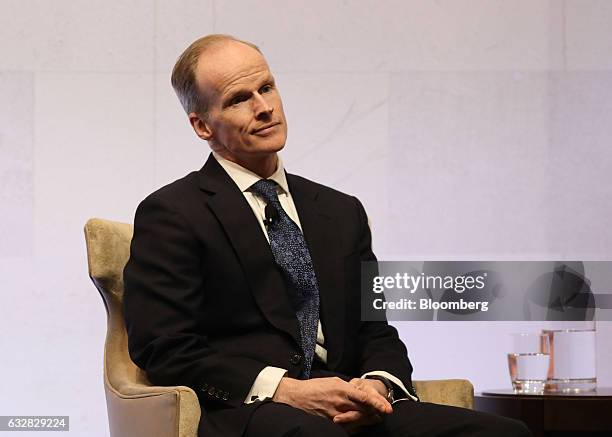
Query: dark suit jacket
<point x="207" y="307"/>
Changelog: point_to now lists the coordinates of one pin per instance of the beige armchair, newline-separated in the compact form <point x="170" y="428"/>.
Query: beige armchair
<point x="135" y="407"/>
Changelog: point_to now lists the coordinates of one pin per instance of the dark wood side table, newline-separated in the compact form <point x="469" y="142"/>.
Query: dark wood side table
<point x="555" y="414"/>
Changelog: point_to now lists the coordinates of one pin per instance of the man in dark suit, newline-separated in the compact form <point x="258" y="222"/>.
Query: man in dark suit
<point x="243" y="281"/>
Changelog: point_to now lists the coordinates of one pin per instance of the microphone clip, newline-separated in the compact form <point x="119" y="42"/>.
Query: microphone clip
<point x="271" y="215"/>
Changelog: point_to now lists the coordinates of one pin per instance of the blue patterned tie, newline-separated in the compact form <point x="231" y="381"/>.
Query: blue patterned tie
<point x="292" y="256"/>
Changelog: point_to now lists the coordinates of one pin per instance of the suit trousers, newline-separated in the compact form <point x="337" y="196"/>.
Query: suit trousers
<point x="408" y="419"/>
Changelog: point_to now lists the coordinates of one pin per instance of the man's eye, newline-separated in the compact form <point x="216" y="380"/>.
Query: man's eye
<point x="237" y="100"/>
<point x="265" y="89"/>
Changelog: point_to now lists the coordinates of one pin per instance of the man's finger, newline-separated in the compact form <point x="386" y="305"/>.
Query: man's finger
<point x="371" y="399"/>
<point x="357" y="418"/>
<point x="377" y="401"/>
<point x="365" y="385"/>
<point x="349" y="416"/>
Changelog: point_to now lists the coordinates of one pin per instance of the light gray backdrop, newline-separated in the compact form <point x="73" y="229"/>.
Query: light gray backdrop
<point x="470" y="130"/>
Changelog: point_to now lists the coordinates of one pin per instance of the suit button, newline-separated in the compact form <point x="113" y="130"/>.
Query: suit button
<point x="211" y="391"/>
<point x="295" y="359"/>
<point x="218" y="394"/>
<point x="225" y="396"/>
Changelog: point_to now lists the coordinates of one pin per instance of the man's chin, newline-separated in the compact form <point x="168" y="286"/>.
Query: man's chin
<point x="269" y="149"/>
<point x="269" y="144"/>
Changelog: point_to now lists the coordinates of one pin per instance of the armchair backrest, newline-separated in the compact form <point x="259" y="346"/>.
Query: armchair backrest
<point x="108" y="250"/>
<point x="135" y="407"/>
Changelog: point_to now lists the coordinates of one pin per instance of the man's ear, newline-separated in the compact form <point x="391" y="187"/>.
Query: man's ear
<point x="200" y="125"/>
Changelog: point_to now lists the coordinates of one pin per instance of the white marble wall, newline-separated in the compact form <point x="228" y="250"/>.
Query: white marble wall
<point x="469" y="128"/>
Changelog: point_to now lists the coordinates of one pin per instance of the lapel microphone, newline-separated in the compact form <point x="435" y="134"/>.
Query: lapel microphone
<point x="271" y="215"/>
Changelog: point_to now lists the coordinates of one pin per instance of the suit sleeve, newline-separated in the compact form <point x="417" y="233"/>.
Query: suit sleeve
<point x="380" y="348"/>
<point x="163" y="311"/>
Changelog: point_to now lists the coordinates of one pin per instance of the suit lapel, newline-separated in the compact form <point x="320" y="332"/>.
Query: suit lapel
<point x="320" y="237"/>
<point x="232" y="210"/>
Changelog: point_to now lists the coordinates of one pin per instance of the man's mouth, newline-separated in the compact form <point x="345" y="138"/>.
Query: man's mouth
<point x="265" y="129"/>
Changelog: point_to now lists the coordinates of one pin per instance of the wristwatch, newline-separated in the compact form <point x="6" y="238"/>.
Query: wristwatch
<point x="388" y="384"/>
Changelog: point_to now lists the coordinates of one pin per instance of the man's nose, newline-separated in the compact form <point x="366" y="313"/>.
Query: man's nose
<point x="261" y="107"/>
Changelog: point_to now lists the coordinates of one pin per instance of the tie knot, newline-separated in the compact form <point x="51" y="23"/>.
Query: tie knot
<point x="266" y="188"/>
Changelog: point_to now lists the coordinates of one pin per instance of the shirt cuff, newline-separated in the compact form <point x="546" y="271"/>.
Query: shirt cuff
<point x="399" y="396"/>
<point x="265" y="384"/>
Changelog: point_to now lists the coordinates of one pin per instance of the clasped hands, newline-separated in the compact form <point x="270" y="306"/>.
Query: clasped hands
<point x="353" y="405"/>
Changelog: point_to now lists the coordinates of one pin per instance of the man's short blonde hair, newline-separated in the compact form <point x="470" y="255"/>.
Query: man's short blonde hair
<point x="183" y="74"/>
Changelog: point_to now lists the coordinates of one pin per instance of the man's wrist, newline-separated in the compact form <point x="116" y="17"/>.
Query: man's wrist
<point x="388" y="391"/>
<point x="401" y="391"/>
<point x="286" y="386"/>
<point x="378" y="385"/>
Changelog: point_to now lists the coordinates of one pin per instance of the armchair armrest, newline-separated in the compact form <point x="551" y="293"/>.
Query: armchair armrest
<point x="136" y="410"/>
<point x="454" y="392"/>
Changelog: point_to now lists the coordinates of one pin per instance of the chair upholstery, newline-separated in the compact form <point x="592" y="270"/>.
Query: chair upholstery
<point x="135" y="407"/>
<point x="454" y="392"/>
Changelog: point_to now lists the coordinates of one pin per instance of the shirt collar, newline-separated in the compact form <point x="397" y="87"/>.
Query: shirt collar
<point x="245" y="178"/>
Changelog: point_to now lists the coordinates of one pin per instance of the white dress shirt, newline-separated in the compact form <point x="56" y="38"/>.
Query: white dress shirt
<point x="267" y="381"/>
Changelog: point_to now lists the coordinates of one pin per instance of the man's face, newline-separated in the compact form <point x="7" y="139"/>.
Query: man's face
<point x="245" y="118"/>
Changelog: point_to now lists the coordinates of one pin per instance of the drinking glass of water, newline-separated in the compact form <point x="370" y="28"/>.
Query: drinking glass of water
<point x="529" y="361"/>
